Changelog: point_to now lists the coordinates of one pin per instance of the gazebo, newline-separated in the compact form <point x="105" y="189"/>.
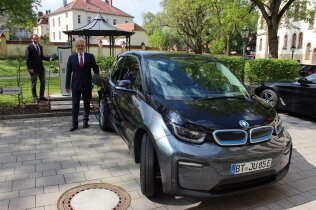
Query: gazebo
<point x="99" y="27"/>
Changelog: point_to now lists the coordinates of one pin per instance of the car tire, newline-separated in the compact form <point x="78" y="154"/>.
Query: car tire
<point x="147" y="167"/>
<point x="103" y="116"/>
<point x="270" y="97"/>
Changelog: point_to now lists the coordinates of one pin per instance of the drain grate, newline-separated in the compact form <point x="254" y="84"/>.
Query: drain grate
<point x="124" y="200"/>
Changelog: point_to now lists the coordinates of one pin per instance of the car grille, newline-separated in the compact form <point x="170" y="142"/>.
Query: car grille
<point x="233" y="137"/>
<point x="227" y="188"/>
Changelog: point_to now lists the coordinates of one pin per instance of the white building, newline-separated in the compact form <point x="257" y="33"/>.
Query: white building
<point x="298" y="40"/>
<point x="79" y="13"/>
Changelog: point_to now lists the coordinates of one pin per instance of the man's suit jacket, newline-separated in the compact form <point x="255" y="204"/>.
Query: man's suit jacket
<point x="80" y="78"/>
<point x="34" y="60"/>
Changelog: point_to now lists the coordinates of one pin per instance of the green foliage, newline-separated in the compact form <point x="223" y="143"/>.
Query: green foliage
<point x="19" y="12"/>
<point x="261" y="70"/>
<point x="235" y="64"/>
<point x="105" y="63"/>
<point x="218" y="45"/>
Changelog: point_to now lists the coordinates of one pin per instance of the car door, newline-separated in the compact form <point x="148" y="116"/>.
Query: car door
<point x="116" y="75"/>
<point x="127" y="98"/>
<point x="289" y="93"/>
<point x="308" y="96"/>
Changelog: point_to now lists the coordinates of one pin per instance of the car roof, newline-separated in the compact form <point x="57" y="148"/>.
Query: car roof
<point x="147" y="54"/>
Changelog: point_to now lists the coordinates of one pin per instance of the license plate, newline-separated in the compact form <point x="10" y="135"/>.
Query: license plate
<point x="240" y="168"/>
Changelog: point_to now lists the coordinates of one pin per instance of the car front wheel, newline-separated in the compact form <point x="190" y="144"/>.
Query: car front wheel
<point x="147" y="167"/>
<point x="103" y="119"/>
<point x="270" y="97"/>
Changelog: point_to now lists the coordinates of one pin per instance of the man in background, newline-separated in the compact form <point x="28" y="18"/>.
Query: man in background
<point x="79" y="73"/>
<point x="34" y="62"/>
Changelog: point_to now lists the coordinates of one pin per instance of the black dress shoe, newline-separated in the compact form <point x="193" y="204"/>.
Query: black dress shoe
<point x="43" y="99"/>
<point x="73" y="128"/>
<point x="85" y="124"/>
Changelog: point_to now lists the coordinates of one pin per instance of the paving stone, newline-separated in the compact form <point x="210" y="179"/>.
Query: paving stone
<point x="23" y="184"/>
<point x="22" y="203"/>
<point x="32" y="191"/>
<point x="74" y="178"/>
<point x="50" y="180"/>
<point x="4" y="205"/>
<point x="47" y="199"/>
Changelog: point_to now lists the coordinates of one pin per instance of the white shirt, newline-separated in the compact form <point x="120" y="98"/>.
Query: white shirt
<point x="82" y="57"/>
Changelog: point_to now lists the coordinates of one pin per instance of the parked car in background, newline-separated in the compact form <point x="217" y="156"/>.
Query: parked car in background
<point x="306" y="70"/>
<point x="192" y="125"/>
<point x="297" y="96"/>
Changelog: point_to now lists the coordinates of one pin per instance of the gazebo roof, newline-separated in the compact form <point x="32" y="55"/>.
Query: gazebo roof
<point x="98" y="27"/>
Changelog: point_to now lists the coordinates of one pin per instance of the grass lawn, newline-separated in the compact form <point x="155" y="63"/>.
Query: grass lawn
<point x="9" y="67"/>
<point x="12" y="100"/>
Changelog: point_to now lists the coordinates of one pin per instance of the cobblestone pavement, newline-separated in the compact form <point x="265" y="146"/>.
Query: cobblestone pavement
<point x="40" y="160"/>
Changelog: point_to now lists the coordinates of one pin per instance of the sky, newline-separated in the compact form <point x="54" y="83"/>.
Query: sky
<point x="132" y="7"/>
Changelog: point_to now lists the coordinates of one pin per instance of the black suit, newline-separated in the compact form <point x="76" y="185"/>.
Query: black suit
<point x="34" y="60"/>
<point x="81" y="84"/>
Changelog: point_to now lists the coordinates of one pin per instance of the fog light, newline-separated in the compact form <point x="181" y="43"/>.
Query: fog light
<point x="191" y="164"/>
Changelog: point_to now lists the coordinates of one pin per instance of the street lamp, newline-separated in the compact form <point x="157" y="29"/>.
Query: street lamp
<point x="293" y="48"/>
<point x="244" y="34"/>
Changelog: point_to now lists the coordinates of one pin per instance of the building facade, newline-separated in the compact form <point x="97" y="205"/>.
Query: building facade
<point x="79" y="13"/>
<point x="296" y="39"/>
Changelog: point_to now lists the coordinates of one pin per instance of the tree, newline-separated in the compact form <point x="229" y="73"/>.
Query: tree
<point x="192" y="19"/>
<point x="19" y="12"/>
<point x="272" y="12"/>
<point x="160" y="35"/>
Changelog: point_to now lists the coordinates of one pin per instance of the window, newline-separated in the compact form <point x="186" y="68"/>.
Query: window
<point x="308" y="51"/>
<point x="261" y="23"/>
<point x="126" y="21"/>
<point x="294" y="40"/>
<point x="66" y="14"/>
<point x="278" y="42"/>
<point x="59" y="35"/>
<point x="54" y="37"/>
<point x="79" y="19"/>
<point x="58" y="21"/>
<point x="260" y="44"/>
<point x="285" y="42"/>
<point x="66" y="27"/>
<point x="300" y="41"/>
<point x="114" y="22"/>
<point x="89" y="19"/>
<point x="118" y="70"/>
<point x="53" y="22"/>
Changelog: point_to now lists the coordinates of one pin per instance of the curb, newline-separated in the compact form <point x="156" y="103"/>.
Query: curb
<point x="38" y="115"/>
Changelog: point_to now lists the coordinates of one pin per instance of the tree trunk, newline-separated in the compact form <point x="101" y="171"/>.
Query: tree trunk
<point x="228" y="44"/>
<point x="273" y="41"/>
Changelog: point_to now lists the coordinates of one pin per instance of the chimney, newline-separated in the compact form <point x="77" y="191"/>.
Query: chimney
<point x="108" y="2"/>
<point x="65" y="3"/>
<point x="39" y="14"/>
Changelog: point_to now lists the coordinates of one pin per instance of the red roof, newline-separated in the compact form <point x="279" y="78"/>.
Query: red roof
<point x="42" y="19"/>
<point x="2" y="35"/>
<point x="129" y="27"/>
<point x="96" y="6"/>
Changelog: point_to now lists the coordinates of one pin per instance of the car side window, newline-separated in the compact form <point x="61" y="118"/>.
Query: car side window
<point x="133" y="72"/>
<point x="118" y="70"/>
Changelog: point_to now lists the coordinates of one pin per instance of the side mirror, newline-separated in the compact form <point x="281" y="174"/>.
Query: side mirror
<point x="303" y="81"/>
<point x="123" y="83"/>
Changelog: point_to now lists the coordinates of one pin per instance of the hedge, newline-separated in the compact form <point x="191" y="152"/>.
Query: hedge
<point x="261" y="70"/>
<point x="105" y="63"/>
<point x="235" y="64"/>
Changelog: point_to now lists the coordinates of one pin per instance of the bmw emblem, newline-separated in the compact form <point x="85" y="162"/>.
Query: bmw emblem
<point x="244" y="123"/>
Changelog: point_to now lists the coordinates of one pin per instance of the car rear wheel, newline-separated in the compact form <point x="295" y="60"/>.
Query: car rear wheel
<point x="103" y="119"/>
<point x="270" y="97"/>
<point x="147" y="167"/>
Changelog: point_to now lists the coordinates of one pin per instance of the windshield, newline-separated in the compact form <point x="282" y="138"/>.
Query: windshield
<point x="192" y="77"/>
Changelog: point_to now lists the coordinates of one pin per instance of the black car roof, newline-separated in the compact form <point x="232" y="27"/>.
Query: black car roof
<point x="147" y="54"/>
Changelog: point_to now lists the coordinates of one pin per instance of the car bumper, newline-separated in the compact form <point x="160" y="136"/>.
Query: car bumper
<point x="204" y="170"/>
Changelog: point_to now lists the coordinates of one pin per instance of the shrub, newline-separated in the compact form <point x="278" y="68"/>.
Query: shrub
<point x="105" y="63"/>
<point x="261" y="70"/>
<point x="235" y="64"/>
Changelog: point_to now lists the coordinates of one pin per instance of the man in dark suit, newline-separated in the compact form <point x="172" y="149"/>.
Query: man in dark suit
<point x="79" y="72"/>
<point x="34" y="62"/>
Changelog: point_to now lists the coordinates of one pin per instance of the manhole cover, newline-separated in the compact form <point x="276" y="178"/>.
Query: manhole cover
<point x="98" y="196"/>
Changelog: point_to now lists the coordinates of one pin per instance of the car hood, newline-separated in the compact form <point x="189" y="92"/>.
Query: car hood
<point x="216" y="113"/>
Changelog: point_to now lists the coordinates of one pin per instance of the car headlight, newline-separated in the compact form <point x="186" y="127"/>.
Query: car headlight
<point x="186" y="134"/>
<point x="278" y="127"/>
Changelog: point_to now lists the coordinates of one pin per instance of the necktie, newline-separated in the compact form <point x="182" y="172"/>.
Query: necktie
<point x="81" y="61"/>
<point x="38" y="49"/>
